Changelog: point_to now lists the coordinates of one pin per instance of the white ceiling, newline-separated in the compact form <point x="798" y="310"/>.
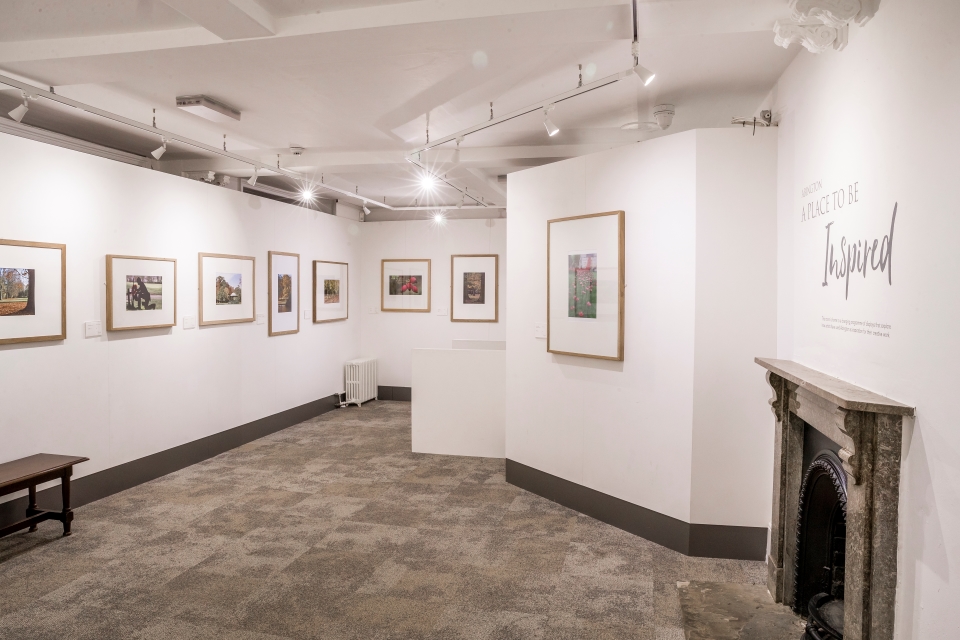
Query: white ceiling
<point x="353" y="80"/>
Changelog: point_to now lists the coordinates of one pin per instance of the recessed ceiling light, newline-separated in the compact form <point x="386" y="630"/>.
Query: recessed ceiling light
<point x="208" y="108"/>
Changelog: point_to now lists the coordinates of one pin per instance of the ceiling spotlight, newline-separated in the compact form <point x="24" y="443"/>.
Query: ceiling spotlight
<point x="456" y="152"/>
<point x="646" y="76"/>
<point x="159" y="151"/>
<point x="427" y="182"/>
<point x="366" y="210"/>
<point x="552" y="129"/>
<point x="438" y="216"/>
<point x="306" y="194"/>
<point x="252" y="180"/>
<point x="18" y="113"/>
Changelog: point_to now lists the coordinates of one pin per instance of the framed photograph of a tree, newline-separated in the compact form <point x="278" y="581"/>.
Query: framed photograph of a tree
<point x="585" y="287"/>
<point x="33" y="291"/>
<point x="330" y="291"/>
<point x="474" y="288"/>
<point x="227" y="291"/>
<point x="141" y="293"/>
<point x="283" y="288"/>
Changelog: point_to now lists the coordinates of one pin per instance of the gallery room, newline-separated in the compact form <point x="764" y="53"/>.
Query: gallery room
<point x="480" y="320"/>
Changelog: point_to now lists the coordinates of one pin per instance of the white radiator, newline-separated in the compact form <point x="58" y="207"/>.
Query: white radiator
<point x="360" y="380"/>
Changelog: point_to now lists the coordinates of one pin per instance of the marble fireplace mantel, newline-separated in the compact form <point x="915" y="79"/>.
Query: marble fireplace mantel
<point x="868" y="428"/>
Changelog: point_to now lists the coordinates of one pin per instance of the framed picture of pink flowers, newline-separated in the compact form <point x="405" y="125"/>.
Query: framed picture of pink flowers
<point x="585" y="290"/>
<point x="405" y="285"/>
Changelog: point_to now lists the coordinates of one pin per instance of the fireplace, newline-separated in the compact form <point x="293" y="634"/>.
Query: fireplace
<point x="821" y="547"/>
<point x="833" y="536"/>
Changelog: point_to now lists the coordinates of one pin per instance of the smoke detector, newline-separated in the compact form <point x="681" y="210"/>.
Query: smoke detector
<point x="208" y="108"/>
<point x="662" y="113"/>
<point x="297" y="151"/>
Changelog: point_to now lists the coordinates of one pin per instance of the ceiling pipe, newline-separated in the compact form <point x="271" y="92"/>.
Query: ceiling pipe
<point x="173" y="137"/>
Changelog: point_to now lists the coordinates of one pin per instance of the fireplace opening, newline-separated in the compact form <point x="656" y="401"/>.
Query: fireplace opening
<point x="821" y="546"/>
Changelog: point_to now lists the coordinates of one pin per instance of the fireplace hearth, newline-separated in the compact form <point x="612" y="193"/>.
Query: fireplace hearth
<point x="833" y="539"/>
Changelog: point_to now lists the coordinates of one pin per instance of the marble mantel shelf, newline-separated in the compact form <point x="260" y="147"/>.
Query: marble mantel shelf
<point x="844" y="394"/>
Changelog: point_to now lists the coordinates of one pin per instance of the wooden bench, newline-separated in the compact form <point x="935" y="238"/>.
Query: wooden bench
<point x="27" y="473"/>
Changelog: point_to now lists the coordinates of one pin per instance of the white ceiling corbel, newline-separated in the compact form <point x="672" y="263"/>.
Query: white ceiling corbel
<point x="815" y="37"/>
<point x="821" y="24"/>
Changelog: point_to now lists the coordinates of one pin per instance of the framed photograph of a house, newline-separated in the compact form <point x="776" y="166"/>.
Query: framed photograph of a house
<point x="405" y="285"/>
<point x="474" y="290"/>
<point x="141" y="293"/>
<point x="33" y="291"/>
<point x="330" y="291"/>
<point x="283" y="287"/>
<point x="585" y="288"/>
<point x="227" y="292"/>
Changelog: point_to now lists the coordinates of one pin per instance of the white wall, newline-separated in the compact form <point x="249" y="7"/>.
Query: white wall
<point x="391" y="337"/>
<point x="129" y="394"/>
<point x="882" y="113"/>
<point x="632" y="429"/>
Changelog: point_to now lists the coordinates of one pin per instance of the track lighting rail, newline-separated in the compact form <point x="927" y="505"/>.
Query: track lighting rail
<point x="169" y="136"/>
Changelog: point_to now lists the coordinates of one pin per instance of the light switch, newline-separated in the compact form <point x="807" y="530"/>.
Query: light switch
<point x="92" y="329"/>
<point x="189" y="322"/>
<point x="306" y="315"/>
<point x="540" y="330"/>
<point x="372" y="309"/>
<point x="441" y="311"/>
<point x="261" y="318"/>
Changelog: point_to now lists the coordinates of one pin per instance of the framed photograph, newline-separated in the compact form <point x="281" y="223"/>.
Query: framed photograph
<point x="227" y="291"/>
<point x="585" y="270"/>
<point x="141" y="293"/>
<point x="33" y="291"/>
<point x="405" y="285"/>
<point x="474" y="288"/>
<point x="330" y="291"/>
<point x="283" y="285"/>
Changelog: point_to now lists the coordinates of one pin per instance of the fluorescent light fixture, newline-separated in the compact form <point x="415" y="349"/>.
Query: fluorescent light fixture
<point x="366" y="210"/>
<point x="159" y="151"/>
<point x="552" y="129"/>
<point x="646" y="76"/>
<point x="18" y="113"/>
<point x="208" y="108"/>
<point x="252" y="180"/>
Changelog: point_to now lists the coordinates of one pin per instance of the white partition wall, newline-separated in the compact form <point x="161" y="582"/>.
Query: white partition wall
<point x="459" y="398"/>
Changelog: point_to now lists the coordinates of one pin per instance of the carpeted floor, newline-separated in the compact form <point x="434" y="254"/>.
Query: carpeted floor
<point x="333" y="529"/>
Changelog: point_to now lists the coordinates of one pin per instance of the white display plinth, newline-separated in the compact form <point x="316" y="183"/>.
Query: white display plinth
<point x="459" y="402"/>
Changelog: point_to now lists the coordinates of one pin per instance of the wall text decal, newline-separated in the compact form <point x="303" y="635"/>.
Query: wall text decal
<point x="857" y="257"/>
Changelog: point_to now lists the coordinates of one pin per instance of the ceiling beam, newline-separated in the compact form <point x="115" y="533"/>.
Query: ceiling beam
<point x="228" y="19"/>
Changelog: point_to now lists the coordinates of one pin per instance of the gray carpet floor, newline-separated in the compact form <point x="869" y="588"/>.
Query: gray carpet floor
<point x="333" y="529"/>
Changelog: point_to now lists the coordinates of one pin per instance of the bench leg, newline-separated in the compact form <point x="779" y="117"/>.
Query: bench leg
<point x="32" y="505"/>
<point x="67" y="511"/>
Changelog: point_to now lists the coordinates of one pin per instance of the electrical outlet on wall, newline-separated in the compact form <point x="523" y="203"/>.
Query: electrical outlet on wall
<point x="441" y="311"/>
<point x="373" y="309"/>
<point x="189" y="322"/>
<point x="540" y="330"/>
<point x="261" y="318"/>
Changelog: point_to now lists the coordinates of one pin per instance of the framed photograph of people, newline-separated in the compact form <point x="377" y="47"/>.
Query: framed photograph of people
<point x="585" y="271"/>
<point x="330" y="291"/>
<point x="227" y="292"/>
<point x="474" y="290"/>
<point x="283" y="286"/>
<point x="33" y="291"/>
<point x="141" y="293"/>
<point x="405" y="285"/>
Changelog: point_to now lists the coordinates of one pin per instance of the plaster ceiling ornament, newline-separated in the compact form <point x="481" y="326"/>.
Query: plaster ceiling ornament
<point x="834" y="13"/>
<point x="815" y="37"/>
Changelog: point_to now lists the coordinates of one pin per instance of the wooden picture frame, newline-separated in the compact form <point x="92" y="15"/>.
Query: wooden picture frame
<point x="112" y="319"/>
<point x="383" y="290"/>
<point x="617" y="295"/>
<point x="42" y="335"/>
<point x="201" y="290"/>
<point x="272" y="294"/>
<point x="496" y="287"/>
<point x="344" y="292"/>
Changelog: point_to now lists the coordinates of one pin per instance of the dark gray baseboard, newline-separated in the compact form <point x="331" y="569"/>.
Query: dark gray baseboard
<point x="130" y="474"/>
<point x="700" y="540"/>
<point x="394" y="393"/>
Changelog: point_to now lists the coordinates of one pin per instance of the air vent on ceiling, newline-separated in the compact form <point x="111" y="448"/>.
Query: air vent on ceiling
<point x="208" y="108"/>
